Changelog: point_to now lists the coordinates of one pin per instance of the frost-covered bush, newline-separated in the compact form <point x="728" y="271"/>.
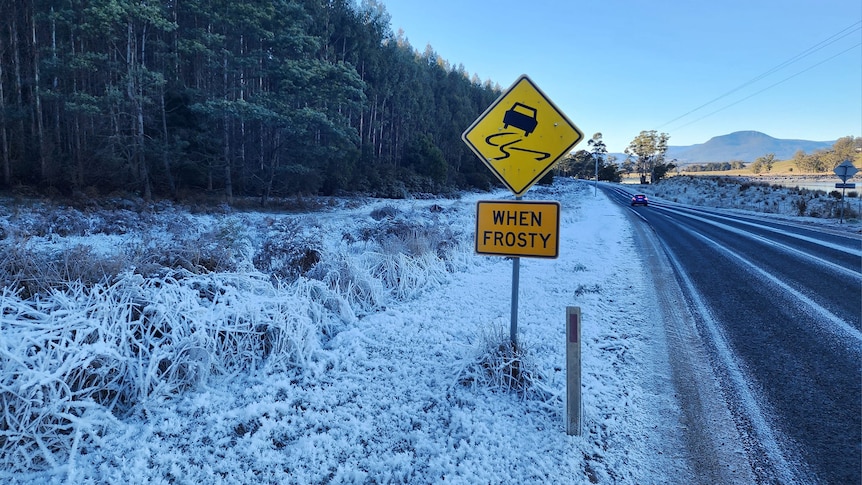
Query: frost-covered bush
<point x="384" y="212"/>
<point x="396" y="255"/>
<point x="118" y="221"/>
<point x="68" y="222"/>
<point x="414" y="236"/>
<point x="37" y="270"/>
<point x="347" y="277"/>
<point x="179" y="244"/>
<point x="801" y="205"/>
<point x="43" y="219"/>
<point x="225" y="248"/>
<point x="406" y="276"/>
<point x="498" y="366"/>
<point x="367" y="282"/>
<point x="290" y="248"/>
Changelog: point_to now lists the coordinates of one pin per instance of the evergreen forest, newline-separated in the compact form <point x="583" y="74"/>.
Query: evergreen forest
<point x="226" y="98"/>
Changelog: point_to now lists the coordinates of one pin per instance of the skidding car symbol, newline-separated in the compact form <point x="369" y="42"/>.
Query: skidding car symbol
<point x="521" y="116"/>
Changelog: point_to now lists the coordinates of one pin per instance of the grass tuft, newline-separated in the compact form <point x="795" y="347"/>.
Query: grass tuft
<point x="500" y="366"/>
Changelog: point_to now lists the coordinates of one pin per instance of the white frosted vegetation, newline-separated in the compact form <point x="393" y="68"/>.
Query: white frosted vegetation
<point x="78" y="355"/>
<point x="366" y="344"/>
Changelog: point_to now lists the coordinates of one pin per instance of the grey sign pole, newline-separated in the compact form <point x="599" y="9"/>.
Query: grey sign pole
<point x="573" y="371"/>
<point x="843" y="188"/>
<point x="844" y="171"/>
<point x="513" y="327"/>
<point x="516" y="275"/>
<point x="596" y="187"/>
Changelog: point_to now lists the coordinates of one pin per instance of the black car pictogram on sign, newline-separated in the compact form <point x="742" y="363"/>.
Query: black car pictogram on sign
<point x="522" y="117"/>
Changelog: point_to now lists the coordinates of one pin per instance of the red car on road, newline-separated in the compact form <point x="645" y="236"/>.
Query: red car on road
<point x="640" y="199"/>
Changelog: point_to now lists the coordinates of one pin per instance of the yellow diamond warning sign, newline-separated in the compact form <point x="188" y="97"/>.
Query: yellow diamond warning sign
<point x="518" y="228"/>
<point x="521" y="136"/>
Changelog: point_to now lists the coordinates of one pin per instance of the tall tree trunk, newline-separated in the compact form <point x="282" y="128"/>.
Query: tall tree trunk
<point x="228" y="181"/>
<point x="242" y="88"/>
<point x="134" y="90"/>
<point x="4" y="141"/>
<point x="77" y="157"/>
<point x="40" y="127"/>
<point x="55" y="83"/>
<point x="166" y="158"/>
<point x="264" y="194"/>
<point x="139" y="109"/>
<point x="16" y="68"/>
<point x="273" y="169"/>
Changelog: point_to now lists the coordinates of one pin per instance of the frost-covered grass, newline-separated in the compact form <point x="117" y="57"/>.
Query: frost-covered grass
<point x="79" y="359"/>
<point x="361" y="343"/>
<point x="747" y="194"/>
<point x="358" y="342"/>
<point x="102" y="322"/>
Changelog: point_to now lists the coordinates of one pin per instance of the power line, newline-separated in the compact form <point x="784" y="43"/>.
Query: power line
<point x="770" y="86"/>
<point x="807" y="52"/>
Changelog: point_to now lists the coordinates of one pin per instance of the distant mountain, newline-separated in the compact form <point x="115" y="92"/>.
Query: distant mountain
<point x="742" y="145"/>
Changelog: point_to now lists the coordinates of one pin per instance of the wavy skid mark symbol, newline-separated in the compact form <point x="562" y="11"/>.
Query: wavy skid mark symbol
<point x="504" y="146"/>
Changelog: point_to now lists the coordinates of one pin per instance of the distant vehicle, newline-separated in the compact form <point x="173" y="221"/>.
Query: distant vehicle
<point x="640" y="199"/>
<point x="522" y="117"/>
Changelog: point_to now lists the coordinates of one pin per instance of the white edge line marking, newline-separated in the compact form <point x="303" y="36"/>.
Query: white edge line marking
<point x="812" y="240"/>
<point x="841" y="269"/>
<point x="761" y="428"/>
<point x="841" y="324"/>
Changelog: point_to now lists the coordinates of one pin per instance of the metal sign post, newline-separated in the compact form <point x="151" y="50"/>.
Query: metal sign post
<point x="844" y="171"/>
<point x="513" y="326"/>
<point x="516" y="276"/>
<point x="843" y="188"/>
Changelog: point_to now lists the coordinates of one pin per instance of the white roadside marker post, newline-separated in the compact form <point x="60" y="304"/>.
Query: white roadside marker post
<point x="573" y="371"/>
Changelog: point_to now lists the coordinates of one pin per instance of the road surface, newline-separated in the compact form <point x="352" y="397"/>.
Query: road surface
<point x="772" y="317"/>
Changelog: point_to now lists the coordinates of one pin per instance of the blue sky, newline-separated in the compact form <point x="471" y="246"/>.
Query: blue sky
<point x="789" y="68"/>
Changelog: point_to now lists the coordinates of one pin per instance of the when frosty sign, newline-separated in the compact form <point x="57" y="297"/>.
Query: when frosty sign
<point x="518" y="228"/>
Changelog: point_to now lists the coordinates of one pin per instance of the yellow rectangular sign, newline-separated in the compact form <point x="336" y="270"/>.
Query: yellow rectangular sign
<point x="518" y="228"/>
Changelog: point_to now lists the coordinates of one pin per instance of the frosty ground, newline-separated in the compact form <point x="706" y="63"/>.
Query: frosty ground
<point x="353" y="344"/>
<point x="774" y="197"/>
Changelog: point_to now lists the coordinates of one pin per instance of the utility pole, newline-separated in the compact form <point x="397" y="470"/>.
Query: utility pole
<point x="596" y="188"/>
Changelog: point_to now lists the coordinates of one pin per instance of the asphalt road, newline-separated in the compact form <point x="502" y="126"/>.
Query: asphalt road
<point x="778" y="306"/>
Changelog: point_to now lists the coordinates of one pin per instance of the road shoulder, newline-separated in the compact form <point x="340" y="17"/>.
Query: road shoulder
<point x="710" y="435"/>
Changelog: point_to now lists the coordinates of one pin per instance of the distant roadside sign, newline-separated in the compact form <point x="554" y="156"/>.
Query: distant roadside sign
<point x="518" y="228"/>
<point x="845" y="170"/>
<point x="845" y="186"/>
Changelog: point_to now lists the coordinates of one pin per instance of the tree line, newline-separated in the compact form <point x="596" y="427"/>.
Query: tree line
<point x="715" y="166"/>
<point x="587" y="164"/>
<point x="646" y="155"/>
<point x="254" y="98"/>
<point x="845" y="148"/>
